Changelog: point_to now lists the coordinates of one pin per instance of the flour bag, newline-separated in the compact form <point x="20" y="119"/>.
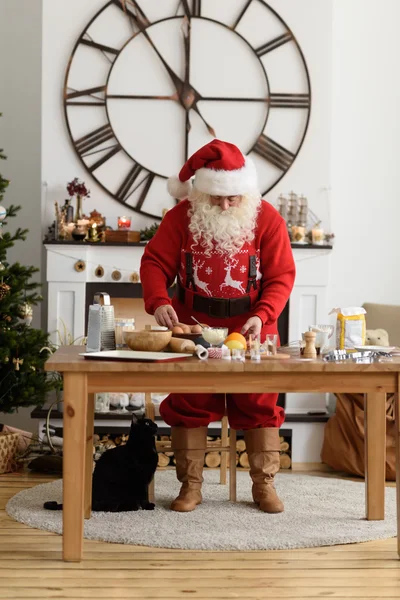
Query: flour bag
<point x="350" y="327"/>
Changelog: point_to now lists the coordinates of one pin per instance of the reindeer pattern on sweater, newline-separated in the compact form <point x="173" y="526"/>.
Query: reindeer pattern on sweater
<point x="220" y="275"/>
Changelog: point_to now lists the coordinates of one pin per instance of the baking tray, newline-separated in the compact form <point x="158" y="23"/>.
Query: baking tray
<point x="135" y="356"/>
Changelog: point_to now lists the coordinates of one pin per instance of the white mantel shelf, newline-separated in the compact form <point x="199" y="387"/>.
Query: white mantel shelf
<point x="67" y="289"/>
<point x="307" y="305"/>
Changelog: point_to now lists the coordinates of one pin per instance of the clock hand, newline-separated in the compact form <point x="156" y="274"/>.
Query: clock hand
<point x="190" y="96"/>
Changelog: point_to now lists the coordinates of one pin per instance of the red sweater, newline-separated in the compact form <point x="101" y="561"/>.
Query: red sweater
<point x="162" y="257"/>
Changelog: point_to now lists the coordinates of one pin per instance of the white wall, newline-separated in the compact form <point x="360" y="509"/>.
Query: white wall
<point x="20" y="135"/>
<point x="365" y="152"/>
<point x="310" y="173"/>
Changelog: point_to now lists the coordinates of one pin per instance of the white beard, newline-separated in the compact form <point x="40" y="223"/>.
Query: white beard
<point x="224" y="231"/>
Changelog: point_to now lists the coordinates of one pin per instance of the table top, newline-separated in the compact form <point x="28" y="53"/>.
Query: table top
<point x="67" y="359"/>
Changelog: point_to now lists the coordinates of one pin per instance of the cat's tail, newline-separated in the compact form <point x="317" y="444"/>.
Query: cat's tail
<point x="53" y="505"/>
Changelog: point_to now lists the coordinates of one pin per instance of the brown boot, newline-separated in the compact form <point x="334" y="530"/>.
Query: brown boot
<point x="189" y="450"/>
<point x="263" y="447"/>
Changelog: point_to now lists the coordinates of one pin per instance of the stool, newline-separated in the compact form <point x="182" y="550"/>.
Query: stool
<point x="227" y="446"/>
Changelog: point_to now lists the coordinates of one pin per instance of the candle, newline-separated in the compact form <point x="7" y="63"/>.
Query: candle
<point x="124" y="222"/>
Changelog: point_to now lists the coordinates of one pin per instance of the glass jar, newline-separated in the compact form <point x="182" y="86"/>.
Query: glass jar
<point x="122" y="325"/>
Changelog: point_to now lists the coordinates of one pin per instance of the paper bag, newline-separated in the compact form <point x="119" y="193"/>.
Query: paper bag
<point x="350" y="327"/>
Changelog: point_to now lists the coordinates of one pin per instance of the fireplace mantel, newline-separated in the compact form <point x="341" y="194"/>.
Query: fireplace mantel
<point x="73" y="265"/>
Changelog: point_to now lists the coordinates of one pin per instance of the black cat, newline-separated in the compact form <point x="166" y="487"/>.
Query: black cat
<point x="122" y="474"/>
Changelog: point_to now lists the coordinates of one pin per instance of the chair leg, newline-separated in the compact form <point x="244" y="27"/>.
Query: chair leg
<point x="232" y="465"/>
<point x="149" y="413"/>
<point x="224" y="455"/>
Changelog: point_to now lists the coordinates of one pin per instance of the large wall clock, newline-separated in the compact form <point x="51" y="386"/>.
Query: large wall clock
<point x="150" y="81"/>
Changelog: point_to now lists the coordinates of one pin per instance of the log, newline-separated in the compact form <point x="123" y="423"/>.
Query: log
<point x="213" y="459"/>
<point x="165" y="438"/>
<point x="284" y="446"/>
<point x="163" y="460"/>
<point x="285" y="461"/>
<point x="169" y="454"/>
<point x="241" y="446"/>
<point x="244" y="460"/>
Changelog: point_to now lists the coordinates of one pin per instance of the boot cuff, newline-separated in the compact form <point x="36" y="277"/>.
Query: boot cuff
<point x="263" y="439"/>
<point x="183" y="438"/>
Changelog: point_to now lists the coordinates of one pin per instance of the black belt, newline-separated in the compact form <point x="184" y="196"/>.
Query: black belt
<point x="220" y="308"/>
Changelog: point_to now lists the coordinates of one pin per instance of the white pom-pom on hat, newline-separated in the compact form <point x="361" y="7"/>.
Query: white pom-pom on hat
<point x="179" y="189"/>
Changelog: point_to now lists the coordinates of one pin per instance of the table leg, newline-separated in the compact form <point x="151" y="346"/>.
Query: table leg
<point x="397" y="423"/>
<point x="89" y="456"/>
<point x="74" y="454"/>
<point x="375" y="455"/>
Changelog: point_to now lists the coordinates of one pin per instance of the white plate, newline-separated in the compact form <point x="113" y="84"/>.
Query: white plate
<point x="375" y="348"/>
<point x="134" y="355"/>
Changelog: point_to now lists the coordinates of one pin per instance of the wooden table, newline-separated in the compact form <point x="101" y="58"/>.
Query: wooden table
<point x="83" y="378"/>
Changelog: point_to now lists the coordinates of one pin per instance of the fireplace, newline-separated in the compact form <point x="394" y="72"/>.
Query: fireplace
<point x="76" y="271"/>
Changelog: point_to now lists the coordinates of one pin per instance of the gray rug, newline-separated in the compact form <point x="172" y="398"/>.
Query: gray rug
<point x="320" y="511"/>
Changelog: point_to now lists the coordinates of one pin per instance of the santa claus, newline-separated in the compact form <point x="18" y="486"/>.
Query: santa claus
<point x="231" y="256"/>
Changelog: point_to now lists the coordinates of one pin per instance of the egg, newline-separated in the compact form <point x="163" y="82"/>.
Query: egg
<point x="177" y="329"/>
<point x="196" y="329"/>
<point x="186" y="329"/>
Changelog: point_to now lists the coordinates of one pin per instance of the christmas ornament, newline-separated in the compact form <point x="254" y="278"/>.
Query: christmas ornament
<point x="3" y="214"/>
<point x="116" y="275"/>
<point x="4" y="290"/>
<point x="17" y="362"/>
<point x="134" y="277"/>
<point x="2" y="267"/>
<point x="25" y="312"/>
<point x="80" y="266"/>
<point x="6" y="359"/>
<point x="99" y="272"/>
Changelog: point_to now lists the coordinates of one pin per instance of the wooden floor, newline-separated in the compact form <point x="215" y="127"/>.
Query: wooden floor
<point x="31" y="567"/>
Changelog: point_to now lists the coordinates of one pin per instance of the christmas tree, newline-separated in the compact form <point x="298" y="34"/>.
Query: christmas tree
<point x="23" y="350"/>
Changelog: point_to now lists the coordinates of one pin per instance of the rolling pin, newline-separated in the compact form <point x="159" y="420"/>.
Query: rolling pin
<point x="181" y="345"/>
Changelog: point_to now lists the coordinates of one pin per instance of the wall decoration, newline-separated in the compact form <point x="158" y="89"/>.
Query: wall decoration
<point x="149" y="82"/>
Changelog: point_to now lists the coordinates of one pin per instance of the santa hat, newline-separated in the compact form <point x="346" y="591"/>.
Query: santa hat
<point x="219" y="169"/>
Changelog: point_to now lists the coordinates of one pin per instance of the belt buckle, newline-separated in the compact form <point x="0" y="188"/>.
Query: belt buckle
<point x="219" y="308"/>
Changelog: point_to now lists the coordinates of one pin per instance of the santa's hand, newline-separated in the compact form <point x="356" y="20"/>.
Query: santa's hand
<point x="166" y="316"/>
<point x="252" y="326"/>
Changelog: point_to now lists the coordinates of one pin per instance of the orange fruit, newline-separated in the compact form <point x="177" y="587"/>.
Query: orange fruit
<point x="237" y="337"/>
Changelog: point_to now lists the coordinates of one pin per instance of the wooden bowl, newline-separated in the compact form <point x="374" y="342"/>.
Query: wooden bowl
<point x="148" y="341"/>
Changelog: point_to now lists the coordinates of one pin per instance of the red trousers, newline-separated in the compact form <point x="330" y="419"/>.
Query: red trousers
<point x="245" y="411"/>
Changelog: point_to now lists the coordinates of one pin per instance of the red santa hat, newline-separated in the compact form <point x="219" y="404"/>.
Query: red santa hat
<point x="219" y="169"/>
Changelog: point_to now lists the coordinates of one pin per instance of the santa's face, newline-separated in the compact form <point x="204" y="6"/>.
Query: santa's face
<point x="225" y="202"/>
<point x="222" y="223"/>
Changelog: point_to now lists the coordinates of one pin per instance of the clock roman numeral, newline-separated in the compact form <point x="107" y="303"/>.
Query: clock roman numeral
<point x="102" y="47"/>
<point x="273" y="44"/>
<point x="126" y="189"/>
<point x="89" y="92"/>
<point x="240" y="17"/>
<point x="289" y="100"/>
<point x="194" y="11"/>
<point x="274" y="153"/>
<point x="97" y="137"/>
<point x="114" y="150"/>
<point x="134" y="12"/>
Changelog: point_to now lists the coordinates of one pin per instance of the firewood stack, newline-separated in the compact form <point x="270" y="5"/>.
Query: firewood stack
<point x="212" y="460"/>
